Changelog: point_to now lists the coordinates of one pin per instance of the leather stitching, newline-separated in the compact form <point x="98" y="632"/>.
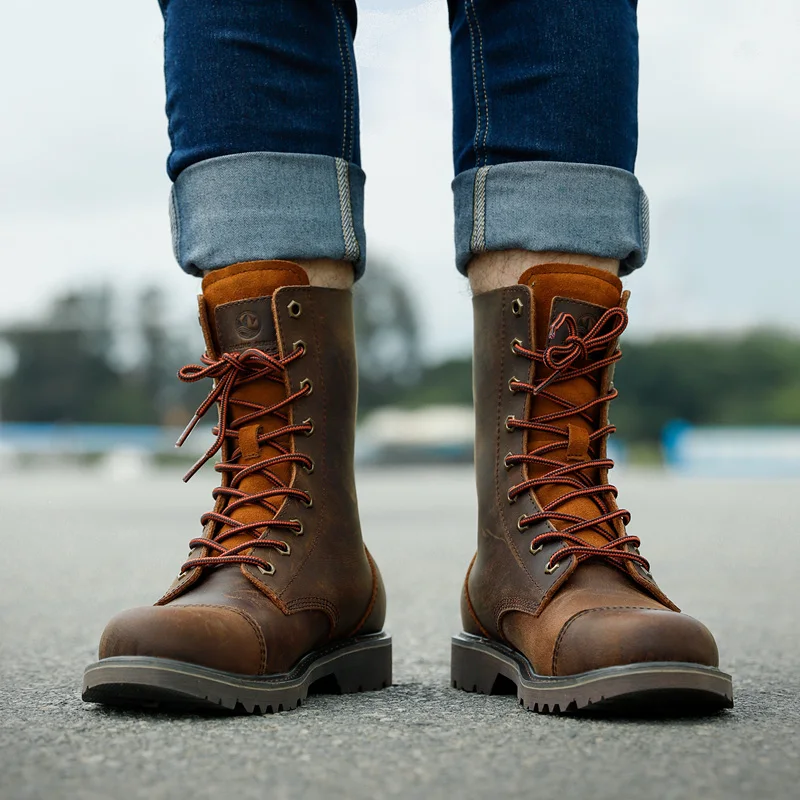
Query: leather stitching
<point x="507" y="524"/>
<point x="320" y="504"/>
<point x="315" y="604"/>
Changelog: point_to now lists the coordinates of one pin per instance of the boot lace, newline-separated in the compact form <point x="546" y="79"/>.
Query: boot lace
<point x="229" y="372"/>
<point x="568" y="361"/>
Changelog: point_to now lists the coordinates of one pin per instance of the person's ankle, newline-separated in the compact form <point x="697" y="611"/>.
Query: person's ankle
<point x="328" y="273"/>
<point x="498" y="268"/>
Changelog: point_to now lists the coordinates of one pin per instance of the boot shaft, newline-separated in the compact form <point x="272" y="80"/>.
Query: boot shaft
<point x="551" y="308"/>
<point x="253" y="306"/>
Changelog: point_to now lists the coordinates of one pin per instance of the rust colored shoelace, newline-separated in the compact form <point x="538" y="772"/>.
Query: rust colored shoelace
<point x="229" y="372"/>
<point x="561" y="360"/>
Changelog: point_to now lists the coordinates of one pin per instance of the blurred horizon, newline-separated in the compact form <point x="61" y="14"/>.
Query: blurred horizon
<point x="84" y="363"/>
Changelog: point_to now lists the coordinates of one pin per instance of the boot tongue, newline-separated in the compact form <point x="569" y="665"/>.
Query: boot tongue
<point x="585" y="293"/>
<point x="581" y="291"/>
<point x="238" y="301"/>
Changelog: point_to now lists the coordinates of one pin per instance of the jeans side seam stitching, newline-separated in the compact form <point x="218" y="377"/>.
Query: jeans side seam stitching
<point x="336" y="13"/>
<point x="351" y="77"/>
<point x="483" y="79"/>
<point x="476" y="140"/>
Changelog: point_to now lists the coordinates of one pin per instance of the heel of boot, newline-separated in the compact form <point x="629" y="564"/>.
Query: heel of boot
<point x="365" y="669"/>
<point x="475" y="669"/>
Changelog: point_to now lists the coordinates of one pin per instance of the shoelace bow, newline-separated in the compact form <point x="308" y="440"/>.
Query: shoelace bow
<point x="229" y="372"/>
<point x="560" y="358"/>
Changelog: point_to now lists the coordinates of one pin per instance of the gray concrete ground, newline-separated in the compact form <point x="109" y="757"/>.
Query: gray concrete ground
<point x="75" y="551"/>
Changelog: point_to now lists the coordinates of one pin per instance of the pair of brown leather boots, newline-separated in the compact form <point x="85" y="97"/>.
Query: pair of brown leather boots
<point x="278" y="594"/>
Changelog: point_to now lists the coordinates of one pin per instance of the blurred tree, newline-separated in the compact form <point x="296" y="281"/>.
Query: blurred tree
<point x="62" y="371"/>
<point x="387" y="337"/>
<point x="57" y="378"/>
<point x="749" y="379"/>
<point x="446" y="383"/>
<point x="164" y="348"/>
<point x="66" y="367"/>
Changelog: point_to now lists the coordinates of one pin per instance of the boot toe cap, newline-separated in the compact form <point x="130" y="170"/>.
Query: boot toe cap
<point x="218" y="637"/>
<point x="608" y="637"/>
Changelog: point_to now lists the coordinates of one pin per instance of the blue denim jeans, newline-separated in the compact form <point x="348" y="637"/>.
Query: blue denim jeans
<point x="262" y="100"/>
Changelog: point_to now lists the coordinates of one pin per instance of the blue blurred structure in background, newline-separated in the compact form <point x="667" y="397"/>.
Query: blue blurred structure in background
<point x="63" y="440"/>
<point x="388" y="436"/>
<point x="434" y="434"/>
<point x="731" y="451"/>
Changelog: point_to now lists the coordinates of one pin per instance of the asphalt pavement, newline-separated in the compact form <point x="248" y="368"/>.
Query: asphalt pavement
<point x="79" y="545"/>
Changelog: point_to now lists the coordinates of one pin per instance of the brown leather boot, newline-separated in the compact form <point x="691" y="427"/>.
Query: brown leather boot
<point x="558" y="599"/>
<point x="279" y="592"/>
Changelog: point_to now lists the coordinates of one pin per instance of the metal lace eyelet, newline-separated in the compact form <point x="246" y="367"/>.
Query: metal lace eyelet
<point x="300" y="345"/>
<point x="310" y="422"/>
<point x="515" y="343"/>
<point x="511" y="499"/>
<point x="295" y="309"/>
<point x="535" y="550"/>
<point x="270" y="571"/>
<point x="307" y="503"/>
<point x="510" y="418"/>
<point x="513" y="379"/>
<point x="307" y="382"/>
<point x="520" y="526"/>
<point x="508" y="455"/>
<point x="299" y="531"/>
<point x="309" y="469"/>
<point x="551" y="570"/>
<point x="516" y="306"/>
<point x="287" y="549"/>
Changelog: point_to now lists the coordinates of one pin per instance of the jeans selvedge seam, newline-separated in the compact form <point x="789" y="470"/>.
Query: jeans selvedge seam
<point x="339" y="37"/>
<point x="483" y="79"/>
<point x="176" y="224"/>
<point x="352" y="248"/>
<point x="476" y="140"/>
<point x="644" y="222"/>
<point x="478" y="240"/>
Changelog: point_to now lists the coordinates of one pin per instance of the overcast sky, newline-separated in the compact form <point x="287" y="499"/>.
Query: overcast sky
<point x="83" y="193"/>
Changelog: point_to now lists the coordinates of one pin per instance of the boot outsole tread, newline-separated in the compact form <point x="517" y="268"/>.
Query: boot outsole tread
<point x="361" y="664"/>
<point x="656" y="688"/>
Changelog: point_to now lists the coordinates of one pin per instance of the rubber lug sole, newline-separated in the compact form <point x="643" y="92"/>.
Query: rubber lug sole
<point x="362" y="664"/>
<point x="659" y="687"/>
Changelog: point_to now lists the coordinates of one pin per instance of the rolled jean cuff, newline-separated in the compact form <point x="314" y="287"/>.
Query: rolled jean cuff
<point x="549" y="205"/>
<point x="256" y="206"/>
